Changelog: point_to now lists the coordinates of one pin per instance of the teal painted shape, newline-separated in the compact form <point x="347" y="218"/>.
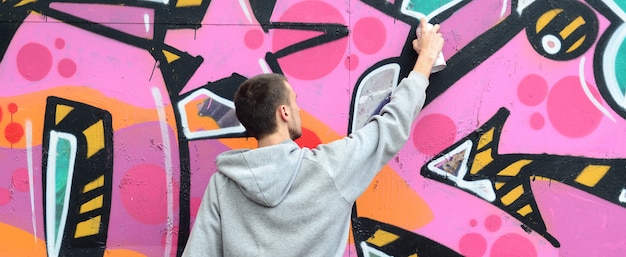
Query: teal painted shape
<point x="62" y="163"/>
<point x="620" y="68"/>
<point x="425" y="6"/>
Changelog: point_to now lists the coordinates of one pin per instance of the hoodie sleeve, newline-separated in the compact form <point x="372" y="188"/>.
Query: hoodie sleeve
<point x="205" y="238"/>
<point x="354" y="161"/>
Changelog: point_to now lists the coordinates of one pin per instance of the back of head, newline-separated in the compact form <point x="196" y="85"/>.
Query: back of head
<point x="256" y="102"/>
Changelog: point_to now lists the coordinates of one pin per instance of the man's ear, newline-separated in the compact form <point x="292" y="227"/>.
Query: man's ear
<point x="283" y="111"/>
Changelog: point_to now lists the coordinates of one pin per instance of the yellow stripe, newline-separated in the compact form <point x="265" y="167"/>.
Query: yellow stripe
<point x="93" y="204"/>
<point x="543" y="21"/>
<point x="573" y="26"/>
<point x="381" y="238"/>
<point x="188" y="3"/>
<point x="482" y="159"/>
<point x="89" y="227"/>
<point x="499" y="185"/>
<point x="511" y="196"/>
<point x="94" y="184"/>
<point x="514" y="169"/>
<point x="61" y="112"/>
<point x="591" y="175"/>
<point x="525" y="210"/>
<point x="94" y="135"/>
<point x="485" y="139"/>
<point x="576" y="44"/>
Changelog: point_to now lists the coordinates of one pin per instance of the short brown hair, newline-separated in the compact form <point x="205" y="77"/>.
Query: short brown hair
<point x="256" y="102"/>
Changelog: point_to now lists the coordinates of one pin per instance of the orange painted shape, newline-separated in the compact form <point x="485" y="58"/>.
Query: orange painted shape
<point x="17" y="242"/>
<point x="389" y="199"/>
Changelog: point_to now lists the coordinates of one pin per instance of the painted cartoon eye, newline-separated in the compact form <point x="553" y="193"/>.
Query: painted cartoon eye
<point x="564" y="32"/>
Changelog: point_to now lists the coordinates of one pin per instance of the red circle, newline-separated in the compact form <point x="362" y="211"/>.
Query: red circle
<point x="513" y="245"/>
<point x="34" y="61"/>
<point x="316" y="61"/>
<point x="12" y="108"/>
<point x="14" y="132"/>
<point x="369" y="35"/>
<point x="67" y="68"/>
<point x="570" y="111"/>
<point x="253" y="38"/>
<point x="20" y="180"/>
<point x="537" y="121"/>
<point x="532" y="90"/>
<point x="433" y="133"/>
<point x="493" y="223"/>
<point x="143" y="190"/>
<point x="473" y="245"/>
<point x="59" y="43"/>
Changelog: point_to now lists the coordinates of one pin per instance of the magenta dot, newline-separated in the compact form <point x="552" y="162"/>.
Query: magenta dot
<point x="433" y="133"/>
<point x="12" y="108"/>
<point x="143" y="190"/>
<point x="352" y="62"/>
<point x="67" y="68"/>
<point x="253" y="38"/>
<point x="532" y="90"/>
<point x="570" y="111"/>
<point x="59" y="43"/>
<point x="5" y="196"/>
<point x="20" y="180"/>
<point x="473" y="223"/>
<point x="315" y="62"/>
<point x="513" y="245"/>
<point x="537" y="121"/>
<point x="472" y="245"/>
<point x="493" y="223"/>
<point x="34" y="61"/>
<point x="369" y="35"/>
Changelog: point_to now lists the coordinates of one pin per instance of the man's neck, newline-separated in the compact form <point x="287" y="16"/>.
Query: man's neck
<point x="272" y="139"/>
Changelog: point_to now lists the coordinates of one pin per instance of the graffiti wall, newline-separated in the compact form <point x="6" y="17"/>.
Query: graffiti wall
<point x="112" y="112"/>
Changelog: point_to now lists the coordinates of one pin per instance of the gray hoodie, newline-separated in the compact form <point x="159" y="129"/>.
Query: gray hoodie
<point x="283" y="200"/>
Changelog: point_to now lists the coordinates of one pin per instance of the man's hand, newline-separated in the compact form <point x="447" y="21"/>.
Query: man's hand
<point x="428" y="45"/>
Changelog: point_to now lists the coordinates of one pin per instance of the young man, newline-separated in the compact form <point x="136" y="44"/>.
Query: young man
<point x="282" y="200"/>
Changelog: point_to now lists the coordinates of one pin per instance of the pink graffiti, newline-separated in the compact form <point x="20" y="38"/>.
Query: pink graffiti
<point x="34" y="61"/>
<point x="369" y="35"/>
<point x="570" y="111"/>
<point x="473" y="245"/>
<point x="532" y="90"/>
<point x="19" y="180"/>
<point x="513" y="245"/>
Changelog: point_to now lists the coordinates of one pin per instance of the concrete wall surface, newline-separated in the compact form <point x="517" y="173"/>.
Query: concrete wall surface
<point x="112" y="113"/>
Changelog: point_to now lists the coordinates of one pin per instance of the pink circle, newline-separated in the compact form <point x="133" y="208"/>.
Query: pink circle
<point x="5" y="196"/>
<point x="20" y="180"/>
<point x="12" y="108"/>
<point x="472" y="245"/>
<point x="570" y="111"/>
<point x="34" y="61"/>
<point x="253" y="38"/>
<point x="314" y="62"/>
<point x="59" y="43"/>
<point x="369" y="35"/>
<point x="532" y="90"/>
<point x="352" y="62"/>
<point x="433" y="133"/>
<point x="473" y="223"/>
<point x="537" y="121"/>
<point x="143" y="190"/>
<point x="493" y="223"/>
<point x="513" y="245"/>
<point x="67" y="68"/>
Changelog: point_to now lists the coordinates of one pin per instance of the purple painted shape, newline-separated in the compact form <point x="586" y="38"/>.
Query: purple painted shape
<point x="136" y="21"/>
<point x="584" y="224"/>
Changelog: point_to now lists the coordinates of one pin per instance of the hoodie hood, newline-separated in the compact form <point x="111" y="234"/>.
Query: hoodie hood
<point x="264" y="175"/>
